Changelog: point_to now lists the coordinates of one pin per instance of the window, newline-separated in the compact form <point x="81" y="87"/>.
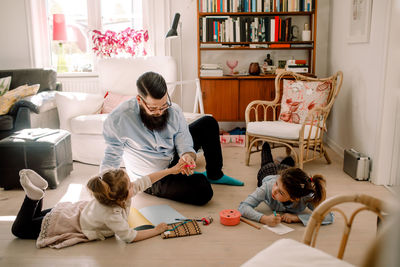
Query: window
<point x="70" y="23"/>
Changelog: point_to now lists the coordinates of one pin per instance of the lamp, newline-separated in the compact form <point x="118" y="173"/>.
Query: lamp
<point x="60" y="34"/>
<point x="173" y="33"/>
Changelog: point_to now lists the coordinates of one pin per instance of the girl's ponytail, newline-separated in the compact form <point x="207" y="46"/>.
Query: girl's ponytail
<point x="318" y="183"/>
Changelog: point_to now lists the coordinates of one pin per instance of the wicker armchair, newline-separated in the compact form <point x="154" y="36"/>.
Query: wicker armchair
<point x="262" y="123"/>
<point x="368" y="203"/>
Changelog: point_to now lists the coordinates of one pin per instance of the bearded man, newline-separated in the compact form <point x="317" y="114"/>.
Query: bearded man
<point x="150" y="134"/>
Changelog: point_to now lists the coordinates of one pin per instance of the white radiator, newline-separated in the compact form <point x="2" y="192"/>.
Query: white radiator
<point x="80" y="84"/>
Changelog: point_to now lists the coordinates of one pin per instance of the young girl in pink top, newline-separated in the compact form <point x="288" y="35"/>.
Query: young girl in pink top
<point x="104" y="216"/>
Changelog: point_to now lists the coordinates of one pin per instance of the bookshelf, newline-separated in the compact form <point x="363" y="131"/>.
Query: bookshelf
<point x="241" y="29"/>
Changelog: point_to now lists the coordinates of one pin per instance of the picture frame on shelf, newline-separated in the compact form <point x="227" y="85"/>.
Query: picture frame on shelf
<point x="360" y="21"/>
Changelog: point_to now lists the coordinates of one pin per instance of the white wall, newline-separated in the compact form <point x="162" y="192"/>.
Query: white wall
<point x="15" y="50"/>
<point x="355" y="119"/>
<point x="187" y="9"/>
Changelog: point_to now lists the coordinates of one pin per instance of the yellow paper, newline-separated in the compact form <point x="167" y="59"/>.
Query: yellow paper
<point x="137" y="219"/>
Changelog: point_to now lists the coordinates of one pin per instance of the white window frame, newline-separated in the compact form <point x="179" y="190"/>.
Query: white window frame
<point x="38" y="34"/>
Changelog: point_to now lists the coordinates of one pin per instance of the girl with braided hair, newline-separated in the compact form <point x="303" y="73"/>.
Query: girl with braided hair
<point x="288" y="191"/>
<point x="104" y="216"/>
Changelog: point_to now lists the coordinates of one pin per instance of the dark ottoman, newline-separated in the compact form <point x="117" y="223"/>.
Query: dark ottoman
<point x="46" y="151"/>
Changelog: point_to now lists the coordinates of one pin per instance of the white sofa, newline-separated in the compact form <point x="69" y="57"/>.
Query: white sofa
<point x="79" y="112"/>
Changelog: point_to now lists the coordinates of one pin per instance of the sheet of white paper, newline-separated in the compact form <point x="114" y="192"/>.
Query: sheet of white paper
<point x="280" y="229"/>
<point x="161" y="213"/>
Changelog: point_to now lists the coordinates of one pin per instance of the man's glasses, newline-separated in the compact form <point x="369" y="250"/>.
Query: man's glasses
<point x="155" y="109"/>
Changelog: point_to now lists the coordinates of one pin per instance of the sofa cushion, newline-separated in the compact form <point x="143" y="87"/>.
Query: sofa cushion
<point x="73" y="104"/>
<point x="5" y="85"/>
<point x="12" y="96"/>
<point x="279" y="129"/>
<point x="88" y="124"/>
<point x="112" y="100"/>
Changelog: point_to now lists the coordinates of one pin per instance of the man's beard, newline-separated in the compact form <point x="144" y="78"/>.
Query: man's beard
<point x="154" y="123"/>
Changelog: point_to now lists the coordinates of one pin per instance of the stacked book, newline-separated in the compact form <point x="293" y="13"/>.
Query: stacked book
<point x="297" y="65"/>
<point x="211" y="70"/>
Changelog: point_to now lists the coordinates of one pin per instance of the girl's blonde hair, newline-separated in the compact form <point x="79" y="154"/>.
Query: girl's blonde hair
<point x="111" y="188"/>
<point x="298" y="184"/>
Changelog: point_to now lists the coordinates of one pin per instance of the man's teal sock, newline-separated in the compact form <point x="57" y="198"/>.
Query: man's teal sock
<point x="223" y="180"/>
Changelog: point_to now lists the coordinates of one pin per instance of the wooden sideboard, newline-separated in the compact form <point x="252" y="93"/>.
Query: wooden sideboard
<point x="226" y="98"/>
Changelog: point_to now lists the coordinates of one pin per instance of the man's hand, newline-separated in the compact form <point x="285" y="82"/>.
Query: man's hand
<point x="188" y="163"/>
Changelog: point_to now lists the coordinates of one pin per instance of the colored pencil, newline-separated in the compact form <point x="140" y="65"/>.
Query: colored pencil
<point x="250" y="223"/>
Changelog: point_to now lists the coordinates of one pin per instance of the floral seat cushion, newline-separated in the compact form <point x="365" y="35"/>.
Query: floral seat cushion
<point x="299" y="97"/>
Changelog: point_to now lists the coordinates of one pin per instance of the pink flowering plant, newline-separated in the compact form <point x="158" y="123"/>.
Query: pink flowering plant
<point x="112" y="44"/>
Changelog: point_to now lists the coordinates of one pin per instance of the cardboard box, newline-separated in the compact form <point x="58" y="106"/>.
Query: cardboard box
<point x="232" y="140"/>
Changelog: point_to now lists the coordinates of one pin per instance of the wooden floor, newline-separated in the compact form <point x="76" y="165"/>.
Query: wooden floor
<point x="218" y="245"/>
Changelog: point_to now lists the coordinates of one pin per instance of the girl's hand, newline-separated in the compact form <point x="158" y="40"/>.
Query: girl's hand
<point x="162" y="227"/>
<point x="271" y="220"/>
<point x="290" y="218"/>
<point x="188" y="164"/>
<point x="177" y="168"/>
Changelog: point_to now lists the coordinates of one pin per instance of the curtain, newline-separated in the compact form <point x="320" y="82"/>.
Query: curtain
<point x="157" y="20"/>
<point x="38" y="35"/>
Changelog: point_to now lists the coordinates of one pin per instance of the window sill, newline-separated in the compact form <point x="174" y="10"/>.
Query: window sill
<point x="78" y="75"/>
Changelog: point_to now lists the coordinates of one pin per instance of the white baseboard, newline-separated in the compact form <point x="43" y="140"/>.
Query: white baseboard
<point x="335" y="146"/>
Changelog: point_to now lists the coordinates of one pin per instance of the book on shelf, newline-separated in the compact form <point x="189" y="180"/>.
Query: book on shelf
<point x="296" y="62"/>
<point x="211" y="73"/>
<point x="301" y="45"/>
<point x="212" y="45"/>
<point x="279" y="45"/>
<point x="297" y="69"/>
<point x="210" y="66"/>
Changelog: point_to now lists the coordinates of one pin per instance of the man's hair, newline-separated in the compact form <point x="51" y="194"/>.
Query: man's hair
<point x="153" y="84"/>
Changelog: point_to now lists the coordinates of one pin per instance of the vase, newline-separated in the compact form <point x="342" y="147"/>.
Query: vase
<point x="254" y="68"/>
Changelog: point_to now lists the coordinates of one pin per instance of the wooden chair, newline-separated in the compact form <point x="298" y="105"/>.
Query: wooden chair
<point x="262" y="124"/>
<point x="368" y="203"/>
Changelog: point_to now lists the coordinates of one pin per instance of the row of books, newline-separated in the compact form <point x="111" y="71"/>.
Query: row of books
<point x="245" y="29"/>
<point x="255" y="5"/>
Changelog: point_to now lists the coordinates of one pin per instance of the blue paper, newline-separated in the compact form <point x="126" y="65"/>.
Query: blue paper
<point x="161" y="213"/>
